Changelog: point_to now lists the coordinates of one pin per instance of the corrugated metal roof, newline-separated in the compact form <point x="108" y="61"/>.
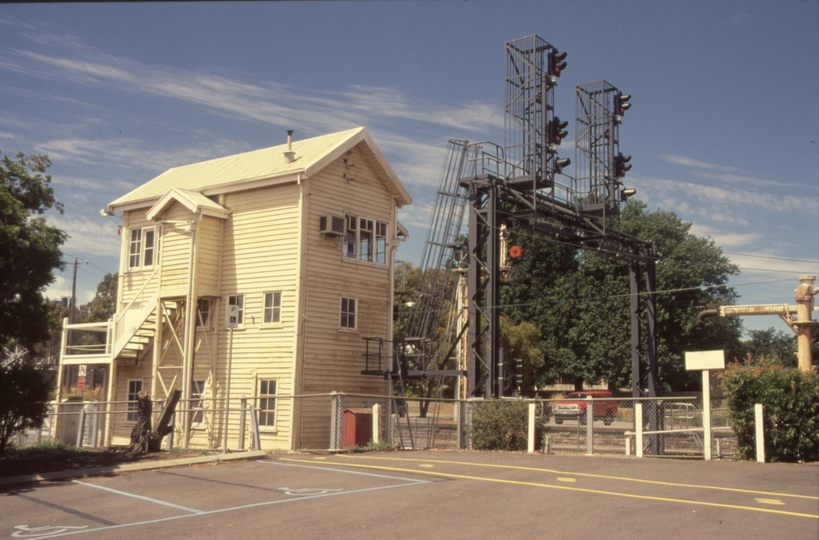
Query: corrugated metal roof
<point x="231" y="172"/>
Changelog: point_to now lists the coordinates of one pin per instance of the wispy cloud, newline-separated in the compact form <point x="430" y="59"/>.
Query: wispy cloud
<point x="714" y="200"/>
<point x="89" y="234"/>
<point x="726" y="174"/>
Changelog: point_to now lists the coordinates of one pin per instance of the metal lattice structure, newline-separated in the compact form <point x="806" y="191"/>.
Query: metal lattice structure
<point x="528" y="108"/>
<point x="597" y="142"/>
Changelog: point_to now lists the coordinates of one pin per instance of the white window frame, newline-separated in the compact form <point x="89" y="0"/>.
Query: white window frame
<point x="140" y="256"/>
<point x="346" y="311"/>
<point x="266" y="414"/>
<point x="132" y="397"/>
<point x="365" y="240"/>
<point x="274" y="309"/>
<point x="232" y="300"/>
<point x="197" y="396"/>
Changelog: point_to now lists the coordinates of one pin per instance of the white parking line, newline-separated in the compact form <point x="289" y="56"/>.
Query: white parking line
<point x="149" y="499"/>
<point x="196" y="513"/>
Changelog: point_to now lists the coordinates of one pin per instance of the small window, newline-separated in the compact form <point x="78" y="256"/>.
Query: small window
<point x="134" y="389"/>
<point x="348" y="313"/>
<point x="267" y="402"/>
<point x="272" y="308"/>
<point x="203" y="309"/>
<point x="239" y="301"/>
<point x="197" y="391"/>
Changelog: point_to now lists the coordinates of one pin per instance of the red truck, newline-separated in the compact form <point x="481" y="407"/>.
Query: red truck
<point x="574" y="407"/>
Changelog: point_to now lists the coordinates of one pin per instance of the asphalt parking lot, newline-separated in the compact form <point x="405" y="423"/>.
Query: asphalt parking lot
<point x="426" y="495"/>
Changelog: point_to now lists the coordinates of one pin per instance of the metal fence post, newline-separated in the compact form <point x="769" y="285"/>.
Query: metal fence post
<point x="589" y="426"/>
<point x="530" y="446"/>
<point x="335" y="424"/>
<point x="638" y="428"/>
<point x="376" y="424"/>
<point x="242" y="420"/>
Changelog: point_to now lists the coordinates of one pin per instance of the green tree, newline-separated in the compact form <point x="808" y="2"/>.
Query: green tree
<point x="521" y="341"/>
<point x="771" y="343"/>
<point x="29" y="248"/>
<point x="104" y="304"/>
<point x="24" y="395"/>
<point x="580" y="301"/>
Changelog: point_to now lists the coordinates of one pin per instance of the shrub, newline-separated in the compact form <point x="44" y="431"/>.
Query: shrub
<point x="24" y="395"/>
<point x="502" y="425"/>
<point x="790" y="398"/>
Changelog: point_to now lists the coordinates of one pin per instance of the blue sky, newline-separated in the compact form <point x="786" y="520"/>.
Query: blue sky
<point x="724" y="127"/>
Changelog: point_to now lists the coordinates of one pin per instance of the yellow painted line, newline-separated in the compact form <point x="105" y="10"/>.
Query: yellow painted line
<point x="590" y="475"/>
<point x="319" y="458"/>
<point x="769" y="501"/>
<point x="564" y="479"/>
<point x="566" y="488"/>
<point x="426" y="465"/>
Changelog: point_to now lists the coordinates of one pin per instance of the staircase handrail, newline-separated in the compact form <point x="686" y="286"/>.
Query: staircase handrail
<point x="119" y="315"/>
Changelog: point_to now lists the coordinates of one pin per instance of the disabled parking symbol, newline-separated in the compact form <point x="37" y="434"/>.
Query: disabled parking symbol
<point x="28" y="532"/>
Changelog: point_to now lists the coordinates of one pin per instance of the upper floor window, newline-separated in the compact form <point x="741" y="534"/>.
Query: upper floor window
<point x="272" y="307"/>
<point x="365" y="239"/>
<point x="141" y="247"/>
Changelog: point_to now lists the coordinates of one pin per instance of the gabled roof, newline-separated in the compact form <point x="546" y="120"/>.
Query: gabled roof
<point x="262" y="167"/>
<point x="193" y="201"/>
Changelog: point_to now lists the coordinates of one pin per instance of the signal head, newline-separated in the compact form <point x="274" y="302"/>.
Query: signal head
<point x="561" y="163"/>
<point x="557" y="63"/>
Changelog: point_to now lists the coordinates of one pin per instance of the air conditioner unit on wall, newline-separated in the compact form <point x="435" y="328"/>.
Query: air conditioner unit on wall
<point x="332" y="225"/>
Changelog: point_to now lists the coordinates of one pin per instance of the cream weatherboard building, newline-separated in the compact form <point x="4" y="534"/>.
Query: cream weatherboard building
<point x="297" y="240"/>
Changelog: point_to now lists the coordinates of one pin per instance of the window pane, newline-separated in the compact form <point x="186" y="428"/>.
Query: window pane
<point x="135" y="248"/>
<point x="149" y="248"/>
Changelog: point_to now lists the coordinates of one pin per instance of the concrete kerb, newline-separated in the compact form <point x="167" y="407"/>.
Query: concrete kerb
<point x="129" y="467"/>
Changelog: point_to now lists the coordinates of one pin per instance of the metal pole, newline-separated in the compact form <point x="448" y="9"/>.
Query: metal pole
<point x="706" y="413"/>
<point x="227" y="392"/>
<point x="530" y="446"/>
<point x="760" y="433"/>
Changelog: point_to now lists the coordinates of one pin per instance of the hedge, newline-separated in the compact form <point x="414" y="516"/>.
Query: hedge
<point x="502" y="425"/>
<point x="790" y="398"/>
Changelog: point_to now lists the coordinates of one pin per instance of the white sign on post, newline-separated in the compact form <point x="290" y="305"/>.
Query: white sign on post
<point x="697" y="361"/>
<point x="232" y="316"/>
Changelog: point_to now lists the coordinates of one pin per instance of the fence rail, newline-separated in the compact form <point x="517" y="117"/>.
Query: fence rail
<point x="341" y="422"/>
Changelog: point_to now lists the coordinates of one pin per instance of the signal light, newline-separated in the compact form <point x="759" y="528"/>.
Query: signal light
<point x="621" y="166"/>
<point x="626" y="193"/>
<point x="556" y="132"/>
<point x="557" y="63"/>
<point x="560" y="163"/>
<point x="621" y="105"/>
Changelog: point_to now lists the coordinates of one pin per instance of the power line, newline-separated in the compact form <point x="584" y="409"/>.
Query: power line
<point x="770" y="257"/>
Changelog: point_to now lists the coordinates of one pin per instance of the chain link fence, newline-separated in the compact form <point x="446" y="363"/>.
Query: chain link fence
<point x="341" y="422"/>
